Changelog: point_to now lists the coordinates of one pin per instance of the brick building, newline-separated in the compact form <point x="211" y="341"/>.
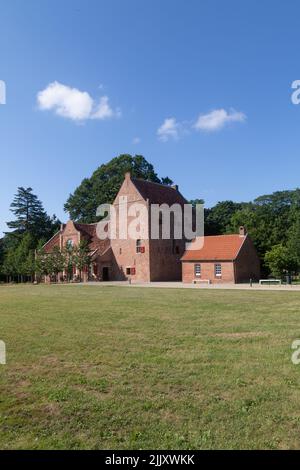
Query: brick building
<point x="119" y="259"/>
<point x="222" y="259"/>
<point x="225" y="258"/>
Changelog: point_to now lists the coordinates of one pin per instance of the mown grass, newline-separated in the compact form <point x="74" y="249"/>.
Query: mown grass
<point x="92" y="367"/>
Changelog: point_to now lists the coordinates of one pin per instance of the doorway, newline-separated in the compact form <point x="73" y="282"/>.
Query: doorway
<point x="105" y="274"/>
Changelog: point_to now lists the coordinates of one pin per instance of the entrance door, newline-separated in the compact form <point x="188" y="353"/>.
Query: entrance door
<point x="105" y="274"/>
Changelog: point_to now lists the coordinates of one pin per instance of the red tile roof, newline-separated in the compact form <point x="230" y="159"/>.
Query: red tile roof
<point x="89" y="232"/>
<point x="158" y="193"/>
<point x="216" y="248"/>
<point x="54" y="241"/>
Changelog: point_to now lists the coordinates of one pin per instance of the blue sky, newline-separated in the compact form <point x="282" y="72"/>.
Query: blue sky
<point x="219" y="72"/>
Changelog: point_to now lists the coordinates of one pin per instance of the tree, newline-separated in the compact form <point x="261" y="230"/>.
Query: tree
<point x="218" y="218"/>
<point x="103" y="186"/>
<point x="82" y="256"/>
<point x="9" y="267"/>
<point x="56" y="262"/>
<point x="28" y="266"/>
<point x="30" y="228"/>
<point x="280" y="261"/>
<point x="167" y="181"/>
<point x="293" y="240"/>
<point x="18" y="258"/>
<point x="24" y="257"/>
<point x="69" y="253"/>
<point x="42" y="265"/>
<point x="194" y="202"/>
<point x="30" y="216"/>
<point x="1" y="257"/>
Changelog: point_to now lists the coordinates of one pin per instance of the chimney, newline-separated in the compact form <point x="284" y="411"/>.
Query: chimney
<point x="242" y="231"/>
<point x="175" y="186"/>
<point x="127" y="175"/>
<point x="62" y="226"/>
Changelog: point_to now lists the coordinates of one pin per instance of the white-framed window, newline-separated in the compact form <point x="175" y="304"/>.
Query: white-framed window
<point x="198" y="270"/>
<point x="218" y="270"/>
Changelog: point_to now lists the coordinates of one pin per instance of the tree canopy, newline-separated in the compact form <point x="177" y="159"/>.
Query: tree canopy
<point x="30" y="216"/>
<point x="104" y="184"/>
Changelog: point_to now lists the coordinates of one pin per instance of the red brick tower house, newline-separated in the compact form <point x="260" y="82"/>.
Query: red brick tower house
<point x="147" y="259"/>
<point x="143" y="259"/>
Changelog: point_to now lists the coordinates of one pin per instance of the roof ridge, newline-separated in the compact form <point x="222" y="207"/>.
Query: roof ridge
<point x="50" y="239"/>
<point x="153" y="182"/>
<point x="225" y="235"/>
<point x="81" y="223"/>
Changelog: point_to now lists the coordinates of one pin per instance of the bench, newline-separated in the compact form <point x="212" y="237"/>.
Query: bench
<point x="270" y="281"/>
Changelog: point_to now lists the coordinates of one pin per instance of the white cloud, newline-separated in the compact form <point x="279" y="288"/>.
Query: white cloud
<point x="217" y="119"/>
<point x="136" y="140"/>
<point x="211" y="122"/>
<point x="74" y="104"/>
<point x="104" y="111"/>
<point x="169" y="129"/>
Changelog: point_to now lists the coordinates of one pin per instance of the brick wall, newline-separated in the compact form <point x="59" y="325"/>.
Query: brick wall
<point x="165" y="264"/>
<point x="208" y="271"/>
<point x="161" y="259"/>
<point x="247" y="264"/>
<point x="70" y="233"/>
<point x="124" y="250"/>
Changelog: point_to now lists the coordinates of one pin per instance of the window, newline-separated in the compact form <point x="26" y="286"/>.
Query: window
<point x="218" y="270"/>
<point x="198" y="270"/>
<point x="139" y="247"/>
<point x="69" y="243"/>
<point x="130" y="271"/>
<point x="120" y="251"/>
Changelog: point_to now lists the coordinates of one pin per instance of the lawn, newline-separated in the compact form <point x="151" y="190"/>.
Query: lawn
<point x="92" y="367"/>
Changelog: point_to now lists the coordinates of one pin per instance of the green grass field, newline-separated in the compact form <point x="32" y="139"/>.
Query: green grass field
<point x="139" y="368"/>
